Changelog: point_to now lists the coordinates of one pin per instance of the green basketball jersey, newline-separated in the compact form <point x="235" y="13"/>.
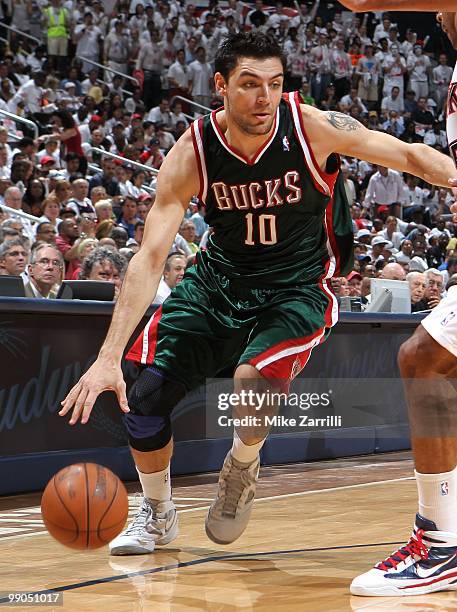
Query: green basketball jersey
<point x="273" y="216"/>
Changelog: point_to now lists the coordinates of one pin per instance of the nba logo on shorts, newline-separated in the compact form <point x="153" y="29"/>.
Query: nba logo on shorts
<point x="296" y="368"/>
<point x="285" y="144"/>
<point x="444" y="488"/>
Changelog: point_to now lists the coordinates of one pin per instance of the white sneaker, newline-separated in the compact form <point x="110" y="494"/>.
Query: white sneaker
<point x="155" y="524"/>
<point x="230" y="511"/>
<point x="426" y="564"/>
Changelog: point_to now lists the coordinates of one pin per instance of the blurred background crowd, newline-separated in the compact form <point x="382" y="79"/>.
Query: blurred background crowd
<point x="93" y="95"/>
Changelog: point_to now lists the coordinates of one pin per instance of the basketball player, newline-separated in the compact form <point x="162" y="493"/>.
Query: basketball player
<point x="428" y="562"/>
<point x="259" y="296"/>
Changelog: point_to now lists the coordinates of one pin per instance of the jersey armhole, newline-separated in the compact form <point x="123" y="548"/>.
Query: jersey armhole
<point x="324" y="181"/>
<point x="196" y="130"/>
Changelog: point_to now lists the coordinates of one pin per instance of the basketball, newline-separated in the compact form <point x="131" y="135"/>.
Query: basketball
<point x="84" y="506"/>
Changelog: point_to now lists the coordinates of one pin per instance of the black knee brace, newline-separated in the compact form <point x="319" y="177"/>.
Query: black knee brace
<point x="151" y="403"/>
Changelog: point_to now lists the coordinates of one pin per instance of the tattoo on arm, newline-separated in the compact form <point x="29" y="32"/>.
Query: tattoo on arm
<point x="340" y="121"/>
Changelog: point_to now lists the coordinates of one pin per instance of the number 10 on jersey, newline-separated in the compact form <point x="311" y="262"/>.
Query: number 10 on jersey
<point x="266" y="229"/>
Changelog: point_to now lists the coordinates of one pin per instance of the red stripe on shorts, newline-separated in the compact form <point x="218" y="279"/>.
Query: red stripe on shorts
<point x="144" y="348"/>
<point x="285" y="368"/>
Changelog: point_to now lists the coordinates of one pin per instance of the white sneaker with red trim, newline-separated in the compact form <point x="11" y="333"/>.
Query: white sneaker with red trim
<point x="428" y="563"/>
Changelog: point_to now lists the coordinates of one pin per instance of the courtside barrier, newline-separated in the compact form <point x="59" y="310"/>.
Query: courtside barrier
<point x="45" y="345"/>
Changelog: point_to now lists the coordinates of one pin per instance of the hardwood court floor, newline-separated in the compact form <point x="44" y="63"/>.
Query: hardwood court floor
<point x="314" y="527"/>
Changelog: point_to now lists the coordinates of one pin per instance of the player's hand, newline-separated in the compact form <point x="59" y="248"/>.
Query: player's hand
<point x="102" y="376"/>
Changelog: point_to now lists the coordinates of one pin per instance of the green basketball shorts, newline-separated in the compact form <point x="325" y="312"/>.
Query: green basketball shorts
<point x="211" y="323"/>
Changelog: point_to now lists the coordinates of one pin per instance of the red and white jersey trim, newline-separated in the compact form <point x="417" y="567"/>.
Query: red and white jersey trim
<point x="331" y="266"/>
<point x="323" y="181"/>
<point x="146" y="339"/>
<point x="196" y="130"/>
<point x="451" y="120"/>
<point x="233" y="151"/>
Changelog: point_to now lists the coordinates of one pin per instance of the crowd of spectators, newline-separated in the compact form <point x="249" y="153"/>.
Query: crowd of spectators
<point x="91" y="208"/>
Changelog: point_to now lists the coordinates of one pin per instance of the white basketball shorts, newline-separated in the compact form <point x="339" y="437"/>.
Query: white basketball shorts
<point x="441" y="323"/>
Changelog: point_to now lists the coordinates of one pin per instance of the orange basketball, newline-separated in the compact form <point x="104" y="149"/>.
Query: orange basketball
<point x="84" y="506"/>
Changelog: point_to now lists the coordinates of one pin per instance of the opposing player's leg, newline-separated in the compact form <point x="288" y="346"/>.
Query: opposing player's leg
<point x="280" y="346"/>
<point x="428" y="365"/>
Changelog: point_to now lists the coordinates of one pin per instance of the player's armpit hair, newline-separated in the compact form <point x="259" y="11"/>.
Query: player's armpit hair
<point x="340" y="121"/>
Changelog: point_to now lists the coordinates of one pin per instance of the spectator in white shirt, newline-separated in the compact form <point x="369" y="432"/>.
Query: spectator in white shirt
<point x="441" y="76"/>
<point x="436" y="136"/>
<point x="178" y="115"/>
<point x="369" y="70"/>
<point x="51" y="149"/>
<point x="179" y="76"/>
<point x="90" y="82"/>
<point x="32" y="92"/>
<point x="413" y="195"/>
<point x="349" y="185"/>
<point x="116" y="50"/>
<point x="342" y="68"/>
<point x="390" y="232"/>
<point x="13" y="199"/>
<point x="418" y="66"/>
<point x="36" y="59"/>
<point x="394" y="67"/>
<point x="161" y="113"/>
<point x="5" y="170"/>
<point x="385" y="188"/>
<point x="382" y="30"/>
<point x="393" y="102"/>
<point x="321" y="67"/>
<point x="352" y="99"/>
<point x="168" y="47"/>
<point x="131" y="104"/>
<point x="150" y="61"/>
<point x="167" y="140"/>
<point x="88" y="37"/>
<point x="407" y="45"/>
<point x="139" y="20"/>
<point x="125" y="185"/>
<point x="201" y="75"/>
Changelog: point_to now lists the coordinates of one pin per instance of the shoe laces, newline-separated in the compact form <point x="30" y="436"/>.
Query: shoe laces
<point x="156" y="523"/>
<point x="414" y="548"/>
<point x="233" y="486"/>
<point x="138" y="525"/>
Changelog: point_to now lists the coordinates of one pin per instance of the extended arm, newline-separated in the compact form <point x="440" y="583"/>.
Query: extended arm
<point x="360" y="6"/>
<point x="174" y="191"/>
<point x="333" y="132"/>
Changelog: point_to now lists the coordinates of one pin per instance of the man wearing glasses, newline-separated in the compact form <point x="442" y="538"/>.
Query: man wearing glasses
<point x="45" y="272"/>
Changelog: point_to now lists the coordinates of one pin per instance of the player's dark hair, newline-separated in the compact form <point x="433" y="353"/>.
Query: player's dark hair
<point x="246" y="44"/>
